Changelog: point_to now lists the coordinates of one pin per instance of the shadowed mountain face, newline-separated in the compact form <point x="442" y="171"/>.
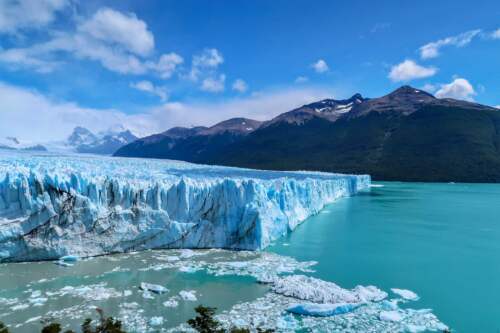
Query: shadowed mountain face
<point x="84" y="141"/>
<point x="197" y="144"/>
<point x="406" y="135"/>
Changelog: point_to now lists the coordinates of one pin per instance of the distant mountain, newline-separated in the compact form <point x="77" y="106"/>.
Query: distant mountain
<point x="406" y="135"/>
<point x="13" y="143"/>
<point x="82" y="140"/>
<point x="197" y="144"/>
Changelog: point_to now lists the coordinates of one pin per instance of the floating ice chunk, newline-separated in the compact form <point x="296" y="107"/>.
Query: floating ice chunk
<point x="127" y="293"/>
<point x="319" y="291"/>
<point x="406" y="294"/>
<point x="33" y="319"/>
<point x="389" y="305"/>
<point x="188" y="295"/>
<point x="322" y="310"/>
<point x="369" y="293"/>
<point x="172" y="302"/>
<point x="156" y="321"/>
<point x="63" y="263"/>
<point x="39" y="301"/>
<point x="411" y="328"/>
<point x="155" y="288"/>
<point x="391" y="316"/>
<point x="19" y="307"/>
<point x="287" y="323"/>
<point x="189" y="269"/>
<point x="70" y="258"/>
<point x="147" y="294"/>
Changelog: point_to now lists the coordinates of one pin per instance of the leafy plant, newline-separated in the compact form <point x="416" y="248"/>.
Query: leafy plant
<point x="3" y="328"/>
<point x="205" y="322"/>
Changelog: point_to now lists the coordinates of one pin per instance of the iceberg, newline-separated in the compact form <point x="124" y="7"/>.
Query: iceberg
<point x="53" y="205"/>
<point x="155" y="288"/>
<point x="322" y="310"/>
<point x="406" y="294"/>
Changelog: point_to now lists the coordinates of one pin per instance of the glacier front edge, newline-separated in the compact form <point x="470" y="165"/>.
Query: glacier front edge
<point x="56" y="205"/>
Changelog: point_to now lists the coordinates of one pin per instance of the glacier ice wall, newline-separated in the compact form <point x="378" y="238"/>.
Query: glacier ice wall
<point x="55" y="205"/>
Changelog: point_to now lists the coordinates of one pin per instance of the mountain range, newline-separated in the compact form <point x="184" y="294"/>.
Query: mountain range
<point x="406" y="135"/>
<point x="81" y="140"/>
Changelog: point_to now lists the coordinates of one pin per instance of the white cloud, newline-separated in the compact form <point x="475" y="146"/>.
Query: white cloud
<point x="126" y="30"/>
<point x="149" y="87"/>
<point x="431" y="50"/>
<point x="23" y="108"/>
<point x="101" y="38"/>
<point x="214" y="84"/>
<point x="209" y="58"/>
<point x="18" y="15"/>
<point x="204" y="64"/>
<point x="167" y="65"/>
<point x="56" y="119"/>
<point x="459" y="88"/>
<point x="301" y="79"/>
<point x="495" y="34"/>
<point x="259" y="106"/>
<point x="320" y="66"/>
<point x="240" y="86"/>
<point x="429" y="87"/>
<point x="409" y="70"/>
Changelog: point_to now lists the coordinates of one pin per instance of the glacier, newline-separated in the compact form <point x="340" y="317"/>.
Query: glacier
<point x="56" y="205"/>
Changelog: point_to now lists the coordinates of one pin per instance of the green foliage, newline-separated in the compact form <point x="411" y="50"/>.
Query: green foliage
<point x="54" y="328"/>
<point x="105" y="325"/>
<point x="204" y="322"/>
<point x="3" y="328"/>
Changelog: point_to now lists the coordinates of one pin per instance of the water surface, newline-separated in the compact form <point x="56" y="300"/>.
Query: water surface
<point x="440" y="240"/>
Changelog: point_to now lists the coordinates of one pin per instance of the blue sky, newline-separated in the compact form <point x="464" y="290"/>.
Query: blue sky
<point x="150" y="65"/>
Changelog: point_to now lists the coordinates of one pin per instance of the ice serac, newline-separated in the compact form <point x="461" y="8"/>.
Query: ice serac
<point x="55" y="205"/>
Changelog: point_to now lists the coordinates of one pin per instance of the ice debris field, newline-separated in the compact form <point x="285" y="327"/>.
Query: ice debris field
<point x="53" y="206"/>
<point x="155" y="291"/>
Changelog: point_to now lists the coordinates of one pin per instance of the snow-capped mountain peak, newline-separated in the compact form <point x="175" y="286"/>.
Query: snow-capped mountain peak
<point x="83" y="140"/>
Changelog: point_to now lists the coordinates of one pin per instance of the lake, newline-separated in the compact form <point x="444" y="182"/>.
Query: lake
<point x="441" y="241"/>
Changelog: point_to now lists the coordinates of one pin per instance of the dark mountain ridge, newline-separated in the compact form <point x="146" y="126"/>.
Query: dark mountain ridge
<point x="406" y="135"/>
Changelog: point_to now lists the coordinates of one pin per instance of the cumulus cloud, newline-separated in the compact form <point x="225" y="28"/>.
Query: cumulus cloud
<point x="459" y="88"/>
<point x="320" y="66"/>
<point x="118" y="41"/>
<point x="56" y="119"/>
<point x="410" y="70"/>
<point x="16" y="15"/>
<point x="214" y="84"/>
<point x="149" y="87"/>
<point x="127" y="30"/>
<point x="167" y="65"/>
<point x="301" y="79"/>
<point x="431" y="50"/>
<point x="205" y="64"/>
<point x="240" y="86"/>
<point x="209" y="58"/>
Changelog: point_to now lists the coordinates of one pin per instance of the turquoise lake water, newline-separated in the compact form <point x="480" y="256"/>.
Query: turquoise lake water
<point x="441" y="241"/>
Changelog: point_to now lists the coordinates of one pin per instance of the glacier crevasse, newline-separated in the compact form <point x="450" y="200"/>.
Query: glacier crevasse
<point x="57" y="205"/>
